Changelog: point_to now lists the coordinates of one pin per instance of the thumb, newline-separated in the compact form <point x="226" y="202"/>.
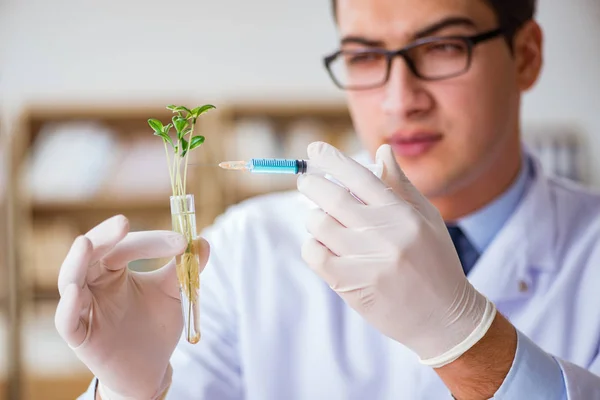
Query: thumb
<point x="68" y="317"/>
<point x="394" y="178"/>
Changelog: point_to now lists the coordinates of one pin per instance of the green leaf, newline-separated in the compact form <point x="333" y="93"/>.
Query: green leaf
<point x="184" y="146"/>
<point x="196" y="141"/>
<point x="178" y="109"/>
<point x="165" y="137"/>
<point x="156" y="125"/>
<point x="180" y="124"/>
<point x="164" y="133"/>
<point x="202" y="109"/>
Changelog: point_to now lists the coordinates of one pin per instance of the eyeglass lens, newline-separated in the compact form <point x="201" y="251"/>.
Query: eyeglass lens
<point x="431" y="60"/>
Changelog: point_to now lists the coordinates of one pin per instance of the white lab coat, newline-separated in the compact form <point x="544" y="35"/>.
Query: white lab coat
<point x="272" y="330"/>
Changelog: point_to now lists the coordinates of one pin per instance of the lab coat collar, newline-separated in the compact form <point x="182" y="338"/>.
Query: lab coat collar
<point x="525" y="247"/>
<point x="535" y="223"/>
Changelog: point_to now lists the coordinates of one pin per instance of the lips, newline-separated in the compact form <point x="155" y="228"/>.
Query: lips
<point x="414" y="144"/>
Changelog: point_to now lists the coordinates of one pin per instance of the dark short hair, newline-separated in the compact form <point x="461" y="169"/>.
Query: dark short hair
<point x="511" y="14"/>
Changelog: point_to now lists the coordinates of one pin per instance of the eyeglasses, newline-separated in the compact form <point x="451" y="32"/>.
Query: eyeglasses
<point x="433" y="58"/>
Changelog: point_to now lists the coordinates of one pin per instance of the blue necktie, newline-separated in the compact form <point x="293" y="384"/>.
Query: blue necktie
<point x="467" y="254"/>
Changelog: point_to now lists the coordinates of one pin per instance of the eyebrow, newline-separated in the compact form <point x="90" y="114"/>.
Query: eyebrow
<point x="445" y="23"/>
<point x="427" y="31"/>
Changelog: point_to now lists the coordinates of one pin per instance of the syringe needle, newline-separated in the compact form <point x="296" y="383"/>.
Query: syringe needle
<point x="235" y="165"/>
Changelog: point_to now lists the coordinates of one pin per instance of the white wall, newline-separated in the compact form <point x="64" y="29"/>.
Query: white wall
<point x="568" y="93"/>
<point x="116" y="50"/>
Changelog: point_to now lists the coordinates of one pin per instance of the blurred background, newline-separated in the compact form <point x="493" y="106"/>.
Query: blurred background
<point x="79" y="79"/>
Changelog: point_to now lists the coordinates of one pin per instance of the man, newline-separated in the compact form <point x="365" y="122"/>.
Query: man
<point x="387" y="309"/>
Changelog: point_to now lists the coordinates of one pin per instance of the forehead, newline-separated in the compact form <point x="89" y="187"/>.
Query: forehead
<point x="399" y="20"/>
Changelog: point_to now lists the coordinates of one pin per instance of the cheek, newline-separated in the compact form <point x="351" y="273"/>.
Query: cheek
<point x="475" y="109"/>
<point x="494" y="76"/>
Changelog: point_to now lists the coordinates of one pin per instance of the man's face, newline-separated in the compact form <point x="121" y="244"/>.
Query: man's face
<point x="444" y="133"/>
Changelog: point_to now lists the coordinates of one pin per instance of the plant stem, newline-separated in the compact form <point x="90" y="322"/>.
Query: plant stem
<point x="174" y="168"/>
<point x="170" y="169"/>
<point x="177" y="167"/>
<point x="181" y="191"/>
<point x="187" y="154"/>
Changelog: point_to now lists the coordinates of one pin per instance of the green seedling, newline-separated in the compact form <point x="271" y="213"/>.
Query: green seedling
<point x="180" y="143"/>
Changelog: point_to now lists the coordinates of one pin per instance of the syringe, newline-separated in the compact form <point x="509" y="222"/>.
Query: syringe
<point x="284" y="166"/>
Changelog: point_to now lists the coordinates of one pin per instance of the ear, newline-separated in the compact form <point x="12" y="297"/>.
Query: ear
<point x="527" y="45"/>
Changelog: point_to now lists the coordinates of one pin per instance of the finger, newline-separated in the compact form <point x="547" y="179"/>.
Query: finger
<point x="317" y="256"/>
<point x="354" y="176"/>
<point x="166" y="277"/>
<point x="145" y="245"/>
<point x="342" y="274"/>
<point x="74" y="268"/>
<point x="67" y="319"/>
<point x="331" y="198"/>
<point x="328" y="231"/>
<point x="395" y="178"/>
<point x="106" y="235"/>
<point x="363" y="241"/>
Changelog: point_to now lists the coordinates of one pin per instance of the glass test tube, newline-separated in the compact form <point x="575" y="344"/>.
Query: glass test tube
<point x="183" y="218"/>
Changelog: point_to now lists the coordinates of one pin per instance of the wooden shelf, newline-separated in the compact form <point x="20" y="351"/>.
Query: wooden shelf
<point x="51" y="388"/>
<point x="292" y="110"/>
<point x="330" y="120"/>
<point x="56" y="387"/>
<point x="45" y="294"/>
<point x="215" y="190"/>
<point x="92" y="205"/>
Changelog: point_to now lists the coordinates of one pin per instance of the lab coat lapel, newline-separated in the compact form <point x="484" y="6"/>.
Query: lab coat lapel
<point x="524" y="247"/>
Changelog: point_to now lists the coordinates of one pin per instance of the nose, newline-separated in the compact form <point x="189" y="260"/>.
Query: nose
<point x="405" y="94"/>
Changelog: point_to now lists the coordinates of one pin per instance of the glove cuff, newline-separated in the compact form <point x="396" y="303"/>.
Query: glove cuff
<point x="480" y="330"/>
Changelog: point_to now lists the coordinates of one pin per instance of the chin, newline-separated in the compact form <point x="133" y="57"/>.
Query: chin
<point x="429" y="184"/>
<point x="424" y="184"/>
<point x="429" y="189"/>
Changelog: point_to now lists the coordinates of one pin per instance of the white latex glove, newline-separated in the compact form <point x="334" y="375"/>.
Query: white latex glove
<point x="122" y="325"/>
<point x="390" y="256"/>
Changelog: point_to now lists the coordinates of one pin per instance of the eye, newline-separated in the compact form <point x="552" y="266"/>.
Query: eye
<point x="447" y="47"/>
<point x="363" y="57"/>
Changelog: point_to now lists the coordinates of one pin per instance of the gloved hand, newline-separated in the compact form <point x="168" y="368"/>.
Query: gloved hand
<point x="123" y="325"/>
<point x="390" y="256"/>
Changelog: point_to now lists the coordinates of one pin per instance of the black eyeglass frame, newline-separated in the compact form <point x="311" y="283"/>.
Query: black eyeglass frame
<point x="470" y="41"/>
